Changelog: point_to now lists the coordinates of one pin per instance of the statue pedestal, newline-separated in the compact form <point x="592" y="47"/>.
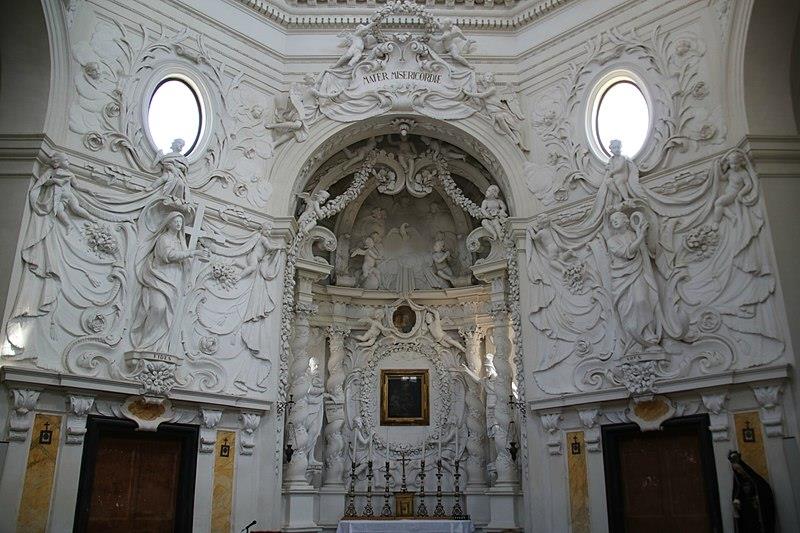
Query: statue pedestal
<point x="503" y="503"/>
<point x="299" y="508"/>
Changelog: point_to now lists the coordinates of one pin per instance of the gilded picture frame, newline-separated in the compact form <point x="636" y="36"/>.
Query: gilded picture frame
<point x="405" y="397"/>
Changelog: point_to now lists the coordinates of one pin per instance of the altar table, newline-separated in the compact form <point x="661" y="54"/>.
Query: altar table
<point x="402" y="526"/>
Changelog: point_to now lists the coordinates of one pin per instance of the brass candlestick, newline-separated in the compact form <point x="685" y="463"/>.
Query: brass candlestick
<point x="422" y="510"/>
<point x="368" y="511"/>
<point x="350" y="509"/>
<point x="386" y="510"/>
<point x="438" y="512"/>
<point x="458" y="513"/>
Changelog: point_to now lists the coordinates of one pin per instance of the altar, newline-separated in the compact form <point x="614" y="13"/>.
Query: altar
<point x="392" y="526"/>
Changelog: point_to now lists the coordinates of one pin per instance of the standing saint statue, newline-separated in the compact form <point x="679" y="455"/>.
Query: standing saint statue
<point x="164" y="260"/>
<point x="263" y="265"/>
<point x="753" y="502"/>
<point x="633" y="283"/>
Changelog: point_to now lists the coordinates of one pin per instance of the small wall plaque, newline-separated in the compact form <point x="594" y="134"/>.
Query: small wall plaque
<point x="748" y="433"/>
<point x="46" y="435"/>
<point x="225" y="449"/>
<point x="575" y="446"/>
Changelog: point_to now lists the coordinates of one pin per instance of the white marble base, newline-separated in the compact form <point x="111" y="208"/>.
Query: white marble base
<point x="503" y="501"/>
<point x="299" y="508"/>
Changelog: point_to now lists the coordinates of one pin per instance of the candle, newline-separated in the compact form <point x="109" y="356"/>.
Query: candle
<point x="440" y="445"/>
<point x="355" y="444"/>
<point x="457" y="448"/>
<point x="370" y="446"/>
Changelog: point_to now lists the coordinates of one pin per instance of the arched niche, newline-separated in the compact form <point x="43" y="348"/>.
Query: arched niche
<point x="297" y="163"/>
<point x="769" y="68"/>
<point x="27" y="64"/>
<point x="403" y="218"/>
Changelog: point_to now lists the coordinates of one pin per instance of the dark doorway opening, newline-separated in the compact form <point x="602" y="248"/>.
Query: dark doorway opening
<point x="136" y="480"/>
<point x="661" y="481"/>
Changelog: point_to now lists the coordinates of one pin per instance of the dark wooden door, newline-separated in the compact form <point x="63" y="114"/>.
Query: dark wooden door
<point x="135" y="480"/>
<point x="662" y="481"/>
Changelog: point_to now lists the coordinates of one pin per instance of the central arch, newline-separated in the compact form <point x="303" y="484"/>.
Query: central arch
<point x="295" y="166"/>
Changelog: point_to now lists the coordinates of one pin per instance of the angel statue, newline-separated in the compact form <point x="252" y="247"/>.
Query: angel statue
<point x="454" y="41"/>
<point x="356" y="42"/>
<point x="376" y="327"/>
<point x="494" y="212"/>
<point x="162" y="275"/>
<point x="504" y="109"/>
<point x="313" y="210"/>
<point x="434" y="323"/>
<point x="370" y="275"/>
<point x="291" y="115"/>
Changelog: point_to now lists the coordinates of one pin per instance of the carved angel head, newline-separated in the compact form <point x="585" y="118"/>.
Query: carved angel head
<point x="619" y="220"/>
<point x="59" y="160"/>
<point x="615" y="146"/>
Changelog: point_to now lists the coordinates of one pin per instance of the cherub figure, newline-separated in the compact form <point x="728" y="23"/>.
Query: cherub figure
<point x="454" y="42"/>
<point x="369" y="337"/>
<point x="289" y="117"/>
<point x="437" y="148"/>
<point x="494" y="212"/>
<point x="440" y="258"/>
<point x="359" y="154"/>
<point x="434" y="323"/>
<point x="53" y="192"/>
<point x="740" y="184"/>
<point x="406" y="154"/>
<point x="174" y="169"/>
<point x="370" y="275"/>
<point x="313" y="210"/>
<point x="502" y="108"/>
<point x="619" y="171"/>
<point x="356" y="42"/>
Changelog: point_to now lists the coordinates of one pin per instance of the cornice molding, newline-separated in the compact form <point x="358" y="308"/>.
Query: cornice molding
<point x="499" y="17"/>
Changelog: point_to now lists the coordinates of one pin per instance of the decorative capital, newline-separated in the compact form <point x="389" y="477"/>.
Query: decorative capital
<point x="717" y="414"/>
<point x="249" y="423"/>
<point x="23" y="404"/>
<point x="550" y="423"/>
<point x="771" y="412"/>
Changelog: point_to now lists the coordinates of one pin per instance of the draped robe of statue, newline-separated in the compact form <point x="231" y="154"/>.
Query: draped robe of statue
<point x="634" y="289"/>
<point x="162" y="276"/>
<point x="265" y="263"/>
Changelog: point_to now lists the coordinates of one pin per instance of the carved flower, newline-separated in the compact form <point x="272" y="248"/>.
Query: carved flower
<point x="225" y="275"/>
<point x="92" y="70"/>
<point x="700" y="90"/>
<point x="256" y="111"/>
<point x="709" y="321"/>
<point x="96" y="323"/>
<point x="702" y="241"/>
<point x="706" y="132"/>
<point x="99" y="239"/>
<point x="573" y="276"/>
<point x="683" y="47"/>
<point x="639" y="378"/>
<point x="209" y="345"/>
<point x="250" y="153"/>
<point x="552" y="159"/>
<point x="240" y="190"/>
<point x="561" y="195"/>
<point x="582" y="347"/>
<point x="157" y="377"/>
<point x="93" y="141"/>
<point x="548" y="120"/>
<point x="111" y="109"/>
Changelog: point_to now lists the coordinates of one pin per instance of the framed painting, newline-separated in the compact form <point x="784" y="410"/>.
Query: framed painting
<point x="404" y="397"/>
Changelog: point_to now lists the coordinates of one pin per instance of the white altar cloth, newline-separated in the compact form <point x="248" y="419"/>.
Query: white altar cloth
<point x="402" y="526"/>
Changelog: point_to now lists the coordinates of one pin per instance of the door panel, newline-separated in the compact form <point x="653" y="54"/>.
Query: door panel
<point x="136" y="481"/>
<point x="661" y="481"/>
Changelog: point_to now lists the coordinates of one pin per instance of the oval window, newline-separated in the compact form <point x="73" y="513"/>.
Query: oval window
<point x="622" y="113"/>
<point x="175" y="112"/>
